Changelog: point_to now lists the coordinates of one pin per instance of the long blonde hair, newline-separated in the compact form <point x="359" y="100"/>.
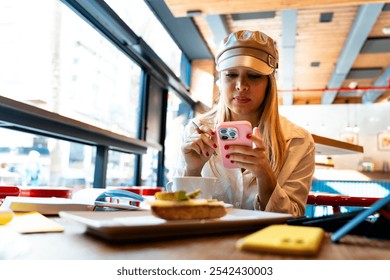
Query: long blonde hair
<point x="269" y="124"/>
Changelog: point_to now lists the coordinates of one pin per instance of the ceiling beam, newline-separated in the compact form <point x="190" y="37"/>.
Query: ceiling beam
<point x="361" y="27"/>
<point x="181" y="8"/>
<point x="183" y="31"/>
<point x="289" y="28"/>
<point x="372" y="95"/>
<point x="218" y="26"/>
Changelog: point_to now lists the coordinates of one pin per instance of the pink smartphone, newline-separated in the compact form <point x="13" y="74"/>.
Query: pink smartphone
<point x="232" y="133"/>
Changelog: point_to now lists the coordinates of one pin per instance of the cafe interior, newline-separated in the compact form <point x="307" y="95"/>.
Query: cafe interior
<point x="95" y="95"/>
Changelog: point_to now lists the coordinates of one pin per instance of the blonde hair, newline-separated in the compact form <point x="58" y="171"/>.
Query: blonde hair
<point x="269" y="124"/>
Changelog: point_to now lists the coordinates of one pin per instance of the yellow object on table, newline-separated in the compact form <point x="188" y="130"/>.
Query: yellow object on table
<point x="284" y="239"/>
<point x="33" y="222"/>
<point x="6" y="216"/>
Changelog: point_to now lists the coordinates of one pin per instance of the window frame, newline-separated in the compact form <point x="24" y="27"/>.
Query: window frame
<point x="27" y="118"/>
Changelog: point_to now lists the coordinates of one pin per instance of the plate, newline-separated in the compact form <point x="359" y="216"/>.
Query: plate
<point x="142" y="225"/>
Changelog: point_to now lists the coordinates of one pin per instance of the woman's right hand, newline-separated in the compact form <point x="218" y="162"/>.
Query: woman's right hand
<point x="197" y="149"/>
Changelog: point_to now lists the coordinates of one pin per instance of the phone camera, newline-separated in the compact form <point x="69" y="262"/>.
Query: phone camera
<point x="229" y="133"/>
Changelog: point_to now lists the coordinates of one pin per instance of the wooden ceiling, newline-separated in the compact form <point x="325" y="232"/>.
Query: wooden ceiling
<point x="317" y="59"/>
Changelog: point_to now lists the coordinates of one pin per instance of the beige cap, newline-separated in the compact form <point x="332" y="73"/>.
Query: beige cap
<point x="249" y="49"/>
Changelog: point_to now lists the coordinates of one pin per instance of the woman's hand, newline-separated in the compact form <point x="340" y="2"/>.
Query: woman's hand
<point x="197" y="149"/>
<point x="254" y="159"/>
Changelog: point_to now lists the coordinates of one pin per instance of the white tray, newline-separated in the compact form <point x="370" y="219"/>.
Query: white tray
<point x="142" y="225"/>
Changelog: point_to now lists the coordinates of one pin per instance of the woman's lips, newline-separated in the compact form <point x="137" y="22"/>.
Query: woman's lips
<point x="241" y="100"/>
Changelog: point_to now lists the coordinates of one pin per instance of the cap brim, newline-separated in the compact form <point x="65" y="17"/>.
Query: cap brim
<point x="245" y="61"/>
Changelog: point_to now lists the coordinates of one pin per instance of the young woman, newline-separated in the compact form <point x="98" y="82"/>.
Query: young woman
<point x="275" y="173"/>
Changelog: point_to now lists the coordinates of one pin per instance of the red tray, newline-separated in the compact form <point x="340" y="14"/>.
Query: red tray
<point x="9" y="191"/>
<point x="46" y="192"/>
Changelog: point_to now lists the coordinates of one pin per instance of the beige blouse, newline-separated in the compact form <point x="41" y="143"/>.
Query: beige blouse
<point x="293" y="183"/>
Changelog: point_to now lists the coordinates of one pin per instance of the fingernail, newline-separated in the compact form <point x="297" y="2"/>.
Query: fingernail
<point x="226" y="147"/>
<point x="248" y="135"/>
<point x="227" y="156"/>
<point x="207" y="154"/>
<point x="215" y="146"/>
<point x="232" y="161"/>
<point x="212" y="133"/>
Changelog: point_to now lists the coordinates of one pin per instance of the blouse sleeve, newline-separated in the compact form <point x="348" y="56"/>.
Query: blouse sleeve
<point x="181" y="164"/>
<point x="294" y="181"/>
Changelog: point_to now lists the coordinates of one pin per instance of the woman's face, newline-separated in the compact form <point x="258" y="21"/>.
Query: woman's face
<point x="243" y="91"/>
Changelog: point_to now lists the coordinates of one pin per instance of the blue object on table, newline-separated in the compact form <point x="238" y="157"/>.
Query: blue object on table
<point x="133" y="200"/>
<point x="119" y="194"/>
<point x="335" y="237"/>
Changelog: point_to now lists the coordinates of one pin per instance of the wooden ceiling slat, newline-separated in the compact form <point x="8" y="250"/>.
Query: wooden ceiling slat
<point x="180" y="8"/>
<point x="372" y="60"/>
<point x="383" y="21"/>
<point x="385" y="97"/>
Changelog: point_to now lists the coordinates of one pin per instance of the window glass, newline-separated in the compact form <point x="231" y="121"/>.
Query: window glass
<point x="33" y="160"/>
<point x="149" y="168"/>
<point x="53" y="59"/>
<point x="137" y="15"/>
<point x="121" y="166"/>
<point x="178" y="114"/>
<point x="120" y="169"/>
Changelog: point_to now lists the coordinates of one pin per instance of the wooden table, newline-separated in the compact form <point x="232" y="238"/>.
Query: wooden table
<point x="75" y="244"/>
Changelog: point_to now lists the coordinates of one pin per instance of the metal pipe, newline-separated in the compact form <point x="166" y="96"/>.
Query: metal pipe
<point x="339" y="89"/>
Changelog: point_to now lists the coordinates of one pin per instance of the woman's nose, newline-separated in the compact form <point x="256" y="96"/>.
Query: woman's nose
<point x="241" y="85"/>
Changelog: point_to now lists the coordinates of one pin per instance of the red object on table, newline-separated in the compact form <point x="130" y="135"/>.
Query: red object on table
<point x="336" y="200"/>
<point x="46" y="192"/>
<point x="9" y="191"/>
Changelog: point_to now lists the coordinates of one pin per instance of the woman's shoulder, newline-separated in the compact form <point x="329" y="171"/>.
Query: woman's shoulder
<point x="292" y="130"/>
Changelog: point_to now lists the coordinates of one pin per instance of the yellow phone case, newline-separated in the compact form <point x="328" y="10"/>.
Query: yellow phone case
<point x="297" y="240"/>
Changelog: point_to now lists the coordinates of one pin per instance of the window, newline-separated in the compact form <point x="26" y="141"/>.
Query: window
<point x="73" y="91"/>
<point x="33" y="160"/>
<point x="56" y="61"/>
<point x="149" y="168"/>
<point x="178" y="114"/>
<point x="141" y="19"/>
<point x="120" y="169"/>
